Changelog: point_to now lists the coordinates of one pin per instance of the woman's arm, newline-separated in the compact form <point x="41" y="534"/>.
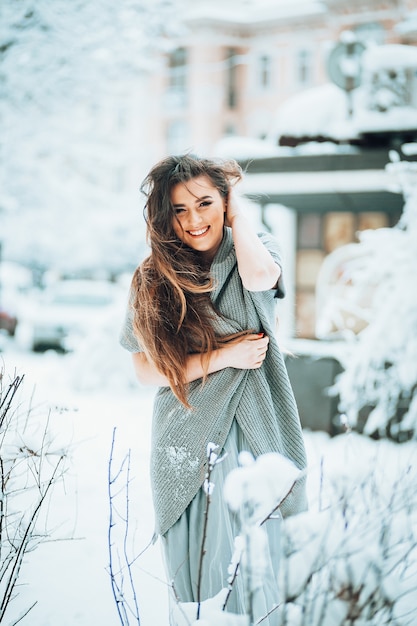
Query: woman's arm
<point x="248" y="353"/>
<point x="257" y="268"/>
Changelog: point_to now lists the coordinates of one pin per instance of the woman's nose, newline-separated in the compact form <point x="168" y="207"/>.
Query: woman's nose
<point x="195" y="218"/>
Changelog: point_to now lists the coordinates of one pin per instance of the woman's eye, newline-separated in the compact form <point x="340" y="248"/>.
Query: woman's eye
<point x="205" y="203"/>
<point x="179" y="210"/>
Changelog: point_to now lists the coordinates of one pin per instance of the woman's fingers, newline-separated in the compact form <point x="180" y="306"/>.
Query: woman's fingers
<point x="250" y="352"/>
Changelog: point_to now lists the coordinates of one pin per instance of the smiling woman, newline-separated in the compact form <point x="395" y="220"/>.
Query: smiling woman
<point x="200" y="325"/>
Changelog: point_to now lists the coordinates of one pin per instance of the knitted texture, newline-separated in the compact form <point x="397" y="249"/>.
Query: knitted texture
<point x="261" y="400"/>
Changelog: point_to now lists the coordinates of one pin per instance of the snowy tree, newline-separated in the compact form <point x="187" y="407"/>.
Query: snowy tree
<point x="380" y="372"/>
<point x="72" y="109"/>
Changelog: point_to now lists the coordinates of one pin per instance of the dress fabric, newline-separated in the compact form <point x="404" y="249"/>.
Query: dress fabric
<point x="182" y="546"/>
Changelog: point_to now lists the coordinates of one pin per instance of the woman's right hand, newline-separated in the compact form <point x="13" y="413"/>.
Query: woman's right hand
<point x="248" y="353"/>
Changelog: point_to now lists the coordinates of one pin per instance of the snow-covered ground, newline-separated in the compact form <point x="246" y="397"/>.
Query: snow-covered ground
<point x="68" y="577"/>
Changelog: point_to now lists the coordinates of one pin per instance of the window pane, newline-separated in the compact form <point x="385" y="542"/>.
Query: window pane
<point x="306" y="314"/>
<point x="370" y="221"/>
<point x="232" y="78"/>
<point x="304" y="66"/>
<point x="308" y="267"/>
<point x="309" y="230"/>
<point x="339" y="229"/>
<point x="177" y="80"/>
<point x="265" y="71"/>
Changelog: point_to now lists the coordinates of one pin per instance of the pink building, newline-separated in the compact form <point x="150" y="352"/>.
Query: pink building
<point x="238" y="61"/>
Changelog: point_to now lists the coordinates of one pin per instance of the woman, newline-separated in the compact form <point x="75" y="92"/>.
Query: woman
<point x="201" y="326"/>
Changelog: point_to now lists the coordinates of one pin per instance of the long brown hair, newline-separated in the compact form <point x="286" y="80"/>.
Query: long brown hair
<point x="171" y="288"/>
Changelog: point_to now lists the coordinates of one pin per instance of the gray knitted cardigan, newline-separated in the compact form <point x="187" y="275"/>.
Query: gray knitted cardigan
<point x="261" y="400"/>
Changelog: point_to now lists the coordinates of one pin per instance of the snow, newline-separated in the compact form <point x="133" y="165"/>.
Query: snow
<point x="262" y="484"/>
<point x="68" y="87"/>
<point x="185" y="614"/>
<point x="385" y="100"/>
<point x="390" y="56"/>
<point x="252" y="11"/>
<point x="73" y="128"/>
<point x="323" y="112"/>
<point x="246" y="148"/>
<point x="380" y="364"/>
<point x="408" y="26"/>
<point x="68" y="577"/>
<point x="318" y="111"/>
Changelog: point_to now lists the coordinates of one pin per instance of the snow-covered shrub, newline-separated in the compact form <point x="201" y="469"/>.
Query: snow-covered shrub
<point x="350" y="560"/>
<point x="354" y="561"/>
<point x="380" y="367"/>
<point x="31" y="462"/>
<point x="253" y="491"/>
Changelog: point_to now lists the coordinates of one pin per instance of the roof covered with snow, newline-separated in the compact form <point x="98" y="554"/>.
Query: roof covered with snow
<point x="251" y="12"/>
<point x="390" y="56"/>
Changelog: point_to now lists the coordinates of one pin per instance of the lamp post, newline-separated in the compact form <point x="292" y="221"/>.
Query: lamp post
<point x="344" y="65"/>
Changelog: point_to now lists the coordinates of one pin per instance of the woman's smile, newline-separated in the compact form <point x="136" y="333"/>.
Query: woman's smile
<point x="199" y="233"/>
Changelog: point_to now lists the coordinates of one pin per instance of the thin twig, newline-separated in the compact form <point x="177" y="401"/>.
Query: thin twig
<point x="22" y="548"/>
<point x="117" y="577"/>
<point x="126" y="535"/>
<point x="264" y="617"/>
<point x="269" y="516"/>
<point x="210" y="466"/>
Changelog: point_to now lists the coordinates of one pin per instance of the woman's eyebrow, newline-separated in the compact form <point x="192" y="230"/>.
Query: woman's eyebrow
<point x="181" y="204"/>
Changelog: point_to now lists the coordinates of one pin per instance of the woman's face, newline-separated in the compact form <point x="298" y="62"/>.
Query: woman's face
<point x="199" y="215"/>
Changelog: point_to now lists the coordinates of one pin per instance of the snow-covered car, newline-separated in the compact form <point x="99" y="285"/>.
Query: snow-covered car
<point x="69" y="311"/>
<point x="8" y="321"/>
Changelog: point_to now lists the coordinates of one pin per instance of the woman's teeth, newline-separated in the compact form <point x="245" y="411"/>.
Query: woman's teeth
<point x="196" y="233"/>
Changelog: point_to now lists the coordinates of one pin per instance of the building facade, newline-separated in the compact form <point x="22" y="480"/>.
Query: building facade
<point x="238" y="61"/>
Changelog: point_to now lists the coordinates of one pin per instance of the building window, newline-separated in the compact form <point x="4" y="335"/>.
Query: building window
<point x="304" y="69"/>
<point x="265" y="71"/>
<point x="177" y="76"/>
<point x="319" y="234"/>
<point x="230" y="130"/>
<point x="310" y="227"/>
<point x="231" y="63"/>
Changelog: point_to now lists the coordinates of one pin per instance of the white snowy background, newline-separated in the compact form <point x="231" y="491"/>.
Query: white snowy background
<point x="68" y="575"/>
<point x="71" y="156"/>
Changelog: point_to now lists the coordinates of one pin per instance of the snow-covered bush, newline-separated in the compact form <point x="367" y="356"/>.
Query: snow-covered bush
<point x="380" y="367"/>
<point x="31" y="462"/>
<point x="350" y="560"/>
<point x="253" y="491"/>
<point x="353" y="558"/>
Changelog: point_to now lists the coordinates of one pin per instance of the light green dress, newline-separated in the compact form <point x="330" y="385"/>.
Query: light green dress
<point x="182" y="545"/>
